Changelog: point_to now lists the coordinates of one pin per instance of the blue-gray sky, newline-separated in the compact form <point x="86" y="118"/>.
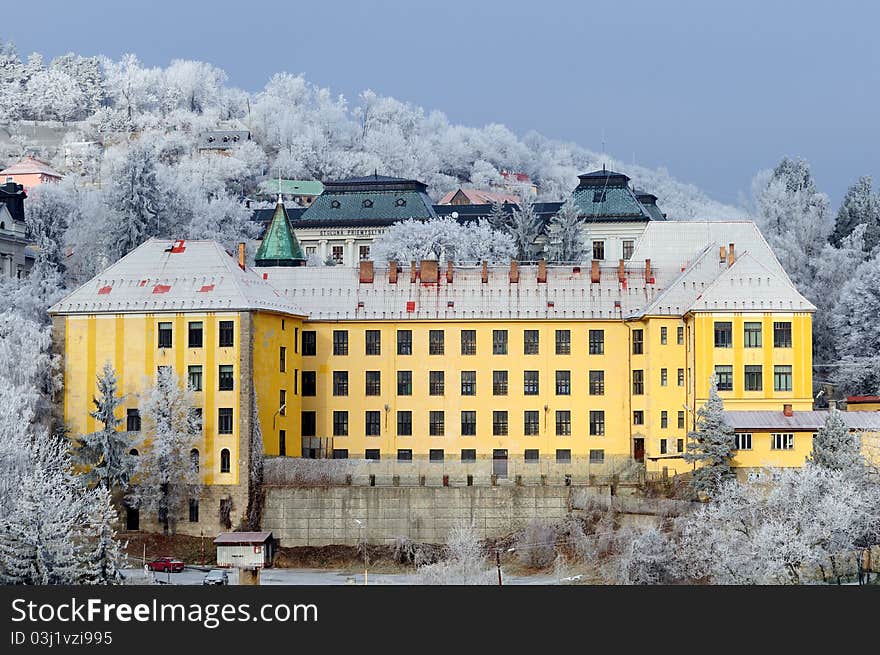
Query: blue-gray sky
<point x="712" y="91"/>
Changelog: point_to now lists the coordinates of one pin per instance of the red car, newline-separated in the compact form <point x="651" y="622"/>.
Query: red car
<point x="166" y="564"/>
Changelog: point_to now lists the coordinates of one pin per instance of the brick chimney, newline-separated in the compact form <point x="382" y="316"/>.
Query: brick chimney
<point x="722" y="253"/>
<point x="412" y="272"/>
<point x="392" y="272"/>
<point x="786" y="410"/>
<point x="514" y="271"/>
<point x="648" y="273"/>
<point x="449" y="271"/>
<point x="542" y="271"/>
<point x="429" y="271"/>
<point x="621" y="271"/>
<point x="595" y="275"/>
<point x="366" y="271"/>
<point x="485" y="277"/>
<point x="730" y="255"/>
<point x="241" y="257"/>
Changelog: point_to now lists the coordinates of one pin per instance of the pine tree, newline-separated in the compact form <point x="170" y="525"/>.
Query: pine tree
<point x="255" y="470"/>
<point x="105" y="453"/>
<point x="102" y="555"/>
<point x="860" y="206"/>
<point x="835" y="447"/>
<point x="858" y="331"/>
<point x="134" y="198"/>
<point x="710" y="446"/>
<point x="566" y="234"/>
<point x="166" y="480"/>
<point x="498" y="218"/>
<point x="525" y="227"/>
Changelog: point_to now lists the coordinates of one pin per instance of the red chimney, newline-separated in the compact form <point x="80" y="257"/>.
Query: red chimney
<point x="595" y="275"/>
<point x="449" y="272"/>
<point x="621" y="271"/>
<point x="542" y="272"/>
<point x="514" y="270"/>
<point x="366" y="271"/>
<point x="786" y="409"/>
<point x="392" y="272"/>
<point x="241" y="251"/>
<point x="648" y="275"/>
<point x="485" y="277"/>
<point x="412" y="272"/>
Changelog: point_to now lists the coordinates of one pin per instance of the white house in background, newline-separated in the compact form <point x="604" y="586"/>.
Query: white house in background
<point x="245" y="549"/>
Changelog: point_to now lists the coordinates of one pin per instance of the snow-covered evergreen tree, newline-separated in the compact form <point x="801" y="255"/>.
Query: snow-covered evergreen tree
<point x="710" y="445"/>
<point x="858" y="331"/>
<point x="525" y="227"/>
<point x="835" y="447"/>
<point x="101" y="554"/>
<point x="165" y="479"/>
<point x="566" y="234"/>
<point x="135" y="200"/>
<point x="256" y="457"/>
<point x="860" y="206"/>
<point x="442" y="239"/>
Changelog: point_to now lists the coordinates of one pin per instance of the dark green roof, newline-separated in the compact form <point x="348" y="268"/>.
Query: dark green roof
<point x="375" y="199"/>
<point x="280" y="246"/>
<point x="607" y="194"/>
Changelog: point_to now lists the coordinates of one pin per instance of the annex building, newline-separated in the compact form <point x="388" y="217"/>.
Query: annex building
<point x="445" y="363"/>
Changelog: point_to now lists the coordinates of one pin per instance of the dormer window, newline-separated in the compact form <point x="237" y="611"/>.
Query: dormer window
<point x="334" y="204"/>
<point x="400" y="202"/>
<point x="210" y="139"/>
<point x="367" y="204"/>
<point x="598" y="196"/>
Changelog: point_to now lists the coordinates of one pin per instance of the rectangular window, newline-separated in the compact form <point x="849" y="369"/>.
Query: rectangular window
<point x="404" y="455"/>
<point x="681" y="377"/>
<point x="531" y="456"/>
<point x="310" y="343"/>
<point x="224" y="420"/>
<point x="563" y="342"/>
<point x="340" y="423"/>
<point x="664" y="419"/>
<point x="499" y="342"/>
<point x="752" y="334"/>
<point x="468" y="424"/>
<point x="373" y="383"/>
<point x="165" y="332"/>
<point x="499" y="423"/>
<point x="599" y="250"/>
<point x="309" y="383"/>
<point x="597" y="456"/>
<point x="404" y="424"/>
<point x="282" y="358"/>
<point x="340" y="342"/>
<point x="436" y="423"/>
<point x="597" y="383"/>
<point x="638" y="382"/>
<point x="563" y="383"/>
<point x="638" y="417"/>
<point x="628" y="247"/>
<point x="782" y="378"/>
<point x="597" y="422"/>
<point x="679" y="335"/>
<point x="662" y="336"/>
<point x="436" y="383"/>
<point x="363" y="252"/>
<point x="404" y="383"/>
<point x="404" y="342"/>
<point x="282" y="442"/>
<point x="530" y="342"/>
<point x="597" y="342"/>
<point x="742" y="441"/>
<point x="337" y="254"/>
<point x="563" y="456"/>
<point x="193" y="510"/>
<point x="468" y="383"/>
<point x="372" y="454"/>
<point x="132" y="420"/>
<point x="563" y="423"/>
<point x="499" y="383"/>
<point x="754" y="378"/>
<point x="663" y="446"/>
<point x="282" y="402"/>
<point x="468" y="454"/>
<point x="225" y="377"/>
<point x="436" y="342"/>
<point x="309" y="424"/>
<point x="782" y="441"/>
<point x="227" y="334"/>
<point x="530" y="383"/>
<point x="194" y="337"/>
<point x="295" y="381"/>
<point x="723" y="334"/>
<point x="468" y="342"/>
<point x="374" y="342"/>
<point x="724" y="377"/>
<point x="781" y="334"/>
<point x="663" y="377"/>
<point x="194" y="377"/>
<point x="531" y="422"/>
<point x="372" y="423"/>
<point x="435" y="455"/>
<point x="340" y="453"/>
<point x="638" y="341"/>
<point x="681" y="420"/>
<point x="340" y="383"/>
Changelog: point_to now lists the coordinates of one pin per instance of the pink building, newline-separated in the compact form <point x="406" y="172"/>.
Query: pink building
<point x="30" y="172"/>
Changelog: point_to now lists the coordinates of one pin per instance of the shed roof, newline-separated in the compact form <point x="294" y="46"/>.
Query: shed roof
<point x="811" y="420"/>
<point x="242" y="538"/>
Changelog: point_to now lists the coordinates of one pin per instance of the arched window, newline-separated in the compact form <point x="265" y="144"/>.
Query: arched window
<point x="2" y="225"/>
<point x="134" y="452"/>
<point x="194" y="459"/>
<point x="224" y="460"/>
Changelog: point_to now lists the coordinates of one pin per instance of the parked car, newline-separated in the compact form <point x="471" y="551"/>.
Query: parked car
<point x="166" y="564"/>
<point x="216" y="577"/>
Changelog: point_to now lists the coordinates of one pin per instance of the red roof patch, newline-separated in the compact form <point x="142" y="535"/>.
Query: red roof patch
<point x="104" y="290"/>
<point x="177" y="247"/>
<point x="410" y="305"/>
<point x="206" y="287"/>
<point x="162" y="288"/>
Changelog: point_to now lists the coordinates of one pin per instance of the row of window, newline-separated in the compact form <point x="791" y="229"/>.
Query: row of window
<point x="752" y="331"/>
<point x="195" y="334"/>
<point x="437" y="423"/>
<point x="530" y="455"/>
<point x="778" y="441"/>
<point x="639" y="418"/>
<point x="224" y="420"/>
<point x="753" y="377"/>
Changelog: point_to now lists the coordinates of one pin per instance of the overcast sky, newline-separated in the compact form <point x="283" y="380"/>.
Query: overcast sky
<point x="711" y="92"/>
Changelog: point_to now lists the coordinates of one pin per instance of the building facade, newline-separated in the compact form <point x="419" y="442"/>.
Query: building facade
<point x="16" y="252"/>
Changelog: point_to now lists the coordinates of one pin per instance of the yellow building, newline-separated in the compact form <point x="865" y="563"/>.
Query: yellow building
<point x="453" y="363"/>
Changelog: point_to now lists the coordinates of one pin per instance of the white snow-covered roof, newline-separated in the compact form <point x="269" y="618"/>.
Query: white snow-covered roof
<point x="162" y="275"/>
<point x="809" y="420"/>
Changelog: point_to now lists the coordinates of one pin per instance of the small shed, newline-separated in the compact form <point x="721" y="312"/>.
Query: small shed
<point x="244" y="549"/>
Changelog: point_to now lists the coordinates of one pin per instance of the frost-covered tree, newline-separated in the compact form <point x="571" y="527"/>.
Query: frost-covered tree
<point x="442" y="239"/>
<point x="835" y="447"/>
<point x="525" y="227"/>
<point x="101" y="555"/>
<point x="105" y="453"/>
<point x="49" y="210"/>
<point x="87" y="74"/>
<point x="860" y="206"/>
<point x="498" y="217"/>
<point x="648" y="556"/>
<point x="166" y="480"/>
<point x="710" y="445"/>
<point x="256" y="457"/>
<point x="465" y="562"/>
<point x="566" y="234"/>
<point x="858" y="331"/>
<point x="52" y="94"/>
<point x="134" y="199"/>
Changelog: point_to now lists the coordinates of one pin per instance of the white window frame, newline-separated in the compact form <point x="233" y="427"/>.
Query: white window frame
<point x="782" y="441"/>
<point x="742" y="441"/>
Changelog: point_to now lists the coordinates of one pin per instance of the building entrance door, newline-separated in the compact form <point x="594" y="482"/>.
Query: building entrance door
<point x="639" y="449"/>
<point x="499" y="462"/>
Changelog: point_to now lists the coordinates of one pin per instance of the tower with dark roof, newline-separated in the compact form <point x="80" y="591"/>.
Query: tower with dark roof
<point x="280" y="246"/>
